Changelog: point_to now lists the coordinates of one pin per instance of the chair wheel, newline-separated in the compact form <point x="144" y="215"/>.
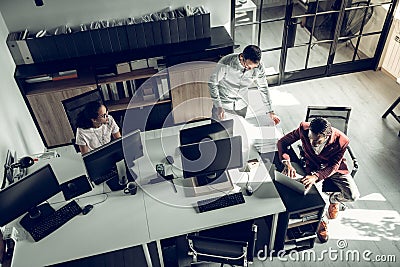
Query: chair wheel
<point x="342" y="207"/>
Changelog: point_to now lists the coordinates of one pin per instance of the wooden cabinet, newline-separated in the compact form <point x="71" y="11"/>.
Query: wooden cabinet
<point x="45" y="85"/>
<point x="189" y="91"/>
<point x="50" y="114"/>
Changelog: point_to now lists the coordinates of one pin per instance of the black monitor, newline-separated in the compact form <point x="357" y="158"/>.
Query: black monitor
<point x="102" y="161"/>
<point x="208" y="160"/>
<point x="26" y="194"/>
<point x="213" y="131"/>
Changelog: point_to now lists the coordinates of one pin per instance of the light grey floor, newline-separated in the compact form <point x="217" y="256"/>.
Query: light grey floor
<point x="372" y="224"/>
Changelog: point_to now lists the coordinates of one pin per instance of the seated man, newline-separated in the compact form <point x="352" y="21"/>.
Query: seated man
<point x="324" y="148"/>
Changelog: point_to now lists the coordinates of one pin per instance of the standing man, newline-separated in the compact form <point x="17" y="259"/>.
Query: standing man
<point x="230" y="83"/>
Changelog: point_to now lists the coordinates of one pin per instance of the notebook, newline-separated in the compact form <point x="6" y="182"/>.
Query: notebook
<point x="293" y="183"/>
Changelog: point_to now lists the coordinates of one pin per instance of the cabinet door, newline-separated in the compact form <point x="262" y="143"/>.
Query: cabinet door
<point x="51" y="117"/>
<point x="189" y="91"/>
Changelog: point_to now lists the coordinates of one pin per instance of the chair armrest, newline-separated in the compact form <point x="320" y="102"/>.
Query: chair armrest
<point x="218" y="248"/>
<point x="355" y="161"/>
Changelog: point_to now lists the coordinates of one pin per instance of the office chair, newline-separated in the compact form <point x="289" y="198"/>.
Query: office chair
<point x="339" y="119"/>
<point x="232" y="244"/>
<point x="74" y="105"/>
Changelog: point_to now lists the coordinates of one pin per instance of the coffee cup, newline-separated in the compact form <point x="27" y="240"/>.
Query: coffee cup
<point x="131" y="188"/>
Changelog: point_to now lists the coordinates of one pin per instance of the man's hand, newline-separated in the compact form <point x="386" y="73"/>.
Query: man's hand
<point x="275" y="118"/>
<point x="221" y="113"/>
<point x="289" y="170"/>
<point x="309" y="180"/>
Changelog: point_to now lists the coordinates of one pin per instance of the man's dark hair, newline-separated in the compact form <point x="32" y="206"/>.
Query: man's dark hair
<point x="252" y="53"/>
<point x="321" y="126"/>
<point x="91" y="111"/>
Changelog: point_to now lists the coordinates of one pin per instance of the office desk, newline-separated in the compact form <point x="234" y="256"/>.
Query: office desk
<point x="171" y="213"/>
<point x="156" y="212"/>
<point x="118" y="222"/>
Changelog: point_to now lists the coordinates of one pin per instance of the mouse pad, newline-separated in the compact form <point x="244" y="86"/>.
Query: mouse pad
<point x="75" y="187"/>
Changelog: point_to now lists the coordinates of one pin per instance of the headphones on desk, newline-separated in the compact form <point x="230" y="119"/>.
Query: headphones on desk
<point x="23" y="163"/>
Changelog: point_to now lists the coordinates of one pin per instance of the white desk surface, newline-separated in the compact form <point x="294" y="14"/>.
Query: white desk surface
<point x="119" y="222"/>
<point x="171" y="214"/>
<point x="154" y="213"/>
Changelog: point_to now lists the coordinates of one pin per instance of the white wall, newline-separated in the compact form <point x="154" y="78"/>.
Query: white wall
<point x="18" y="131"/>
<point x="21" y="14"/>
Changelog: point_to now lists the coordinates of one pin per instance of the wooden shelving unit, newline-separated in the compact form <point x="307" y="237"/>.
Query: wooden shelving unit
<point x="43" y="98"/>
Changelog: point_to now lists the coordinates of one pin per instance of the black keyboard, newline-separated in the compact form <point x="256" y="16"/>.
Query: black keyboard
<point x="220" y="202"/>
<point x="52" y="222"/>
<point x="112" y="174"/>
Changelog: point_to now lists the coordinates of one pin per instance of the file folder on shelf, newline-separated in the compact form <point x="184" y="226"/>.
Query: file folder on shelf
<point x="165" y="32"/>
<point x="173" y="29"/>
<point x="156" y="26"/>
<point x="140" y="36"/>
<point x="191" y="35"/>
<point x="131" y="34"/>
<point x="182" y="29"/>
<point x="148" y="33"/>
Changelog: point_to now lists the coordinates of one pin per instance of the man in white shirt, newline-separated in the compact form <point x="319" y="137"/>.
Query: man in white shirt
<point x="230" y="82"/>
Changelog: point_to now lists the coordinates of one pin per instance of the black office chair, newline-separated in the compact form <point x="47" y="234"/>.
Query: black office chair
<point x="232" y="244"/>
<point x="74" y="105"/>
<point x="339" y="119"/>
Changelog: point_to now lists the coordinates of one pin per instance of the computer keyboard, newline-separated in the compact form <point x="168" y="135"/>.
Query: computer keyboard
<point x="113" y="173"/>
<point x="52" y="222"/>
<point x="220" y="202"/>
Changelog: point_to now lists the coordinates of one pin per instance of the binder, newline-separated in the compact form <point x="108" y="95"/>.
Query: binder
<point x="48" y="48"/>
<point x="156" y="26"/>
<point x="131" y="34"/>
<point x="206" y="25"/>
<point x="62" y="46"/>
<point x="72" y="50"/>
<point x="14" y="48"/>
<point x="173" y="29"/>
<point x="191" y="35"/>
<point x="83" y="43"/>
<point x="97" y="42"/>
<point x="33" y="49"/>
<point x="122" y="37"/>
<point x="105" y="40"/>
<point x="148" y="33"/>
<point x="25" y="52"/>
<point x="182" y="29"/>
<point x="114" y="39"/>
<point x="198" y="26"/>
<point x="165" y="33"/>
<point x="140" y="36"/>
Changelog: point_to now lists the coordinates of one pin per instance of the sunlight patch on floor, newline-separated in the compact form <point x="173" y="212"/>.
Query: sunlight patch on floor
<point x="373" y="197"/>
<point x="283" y="98"/>
<point x="363" y="224"/>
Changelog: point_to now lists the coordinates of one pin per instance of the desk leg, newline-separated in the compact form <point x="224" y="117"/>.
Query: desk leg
<point x="147" y="255"/>
<point x="160" y="254"/>
<point x="273" y="232"/>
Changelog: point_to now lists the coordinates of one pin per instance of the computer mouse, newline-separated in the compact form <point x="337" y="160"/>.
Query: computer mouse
<point x="170" y="160"/>
<point x="87" y="209"/>
<point x="249" y="190"/>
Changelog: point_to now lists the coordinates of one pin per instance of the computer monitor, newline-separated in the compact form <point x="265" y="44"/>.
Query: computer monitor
<point x="208" y="160"/>
<point x="102" y="161"/>
<point x="213" y="131"/>
<point x="26" y="194"/>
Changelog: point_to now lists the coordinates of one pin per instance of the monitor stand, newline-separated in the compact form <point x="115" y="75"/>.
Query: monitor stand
<point x="203" y="185"/>
<point x="35" y="215"/>
<point x="210" y="179"/>
<point x="124" y="176"/>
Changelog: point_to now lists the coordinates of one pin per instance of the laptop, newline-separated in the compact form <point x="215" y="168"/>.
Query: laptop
<point x="293" y="183"/>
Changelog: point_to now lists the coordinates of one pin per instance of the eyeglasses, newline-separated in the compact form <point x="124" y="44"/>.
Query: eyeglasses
<point x="104" y="116"/>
